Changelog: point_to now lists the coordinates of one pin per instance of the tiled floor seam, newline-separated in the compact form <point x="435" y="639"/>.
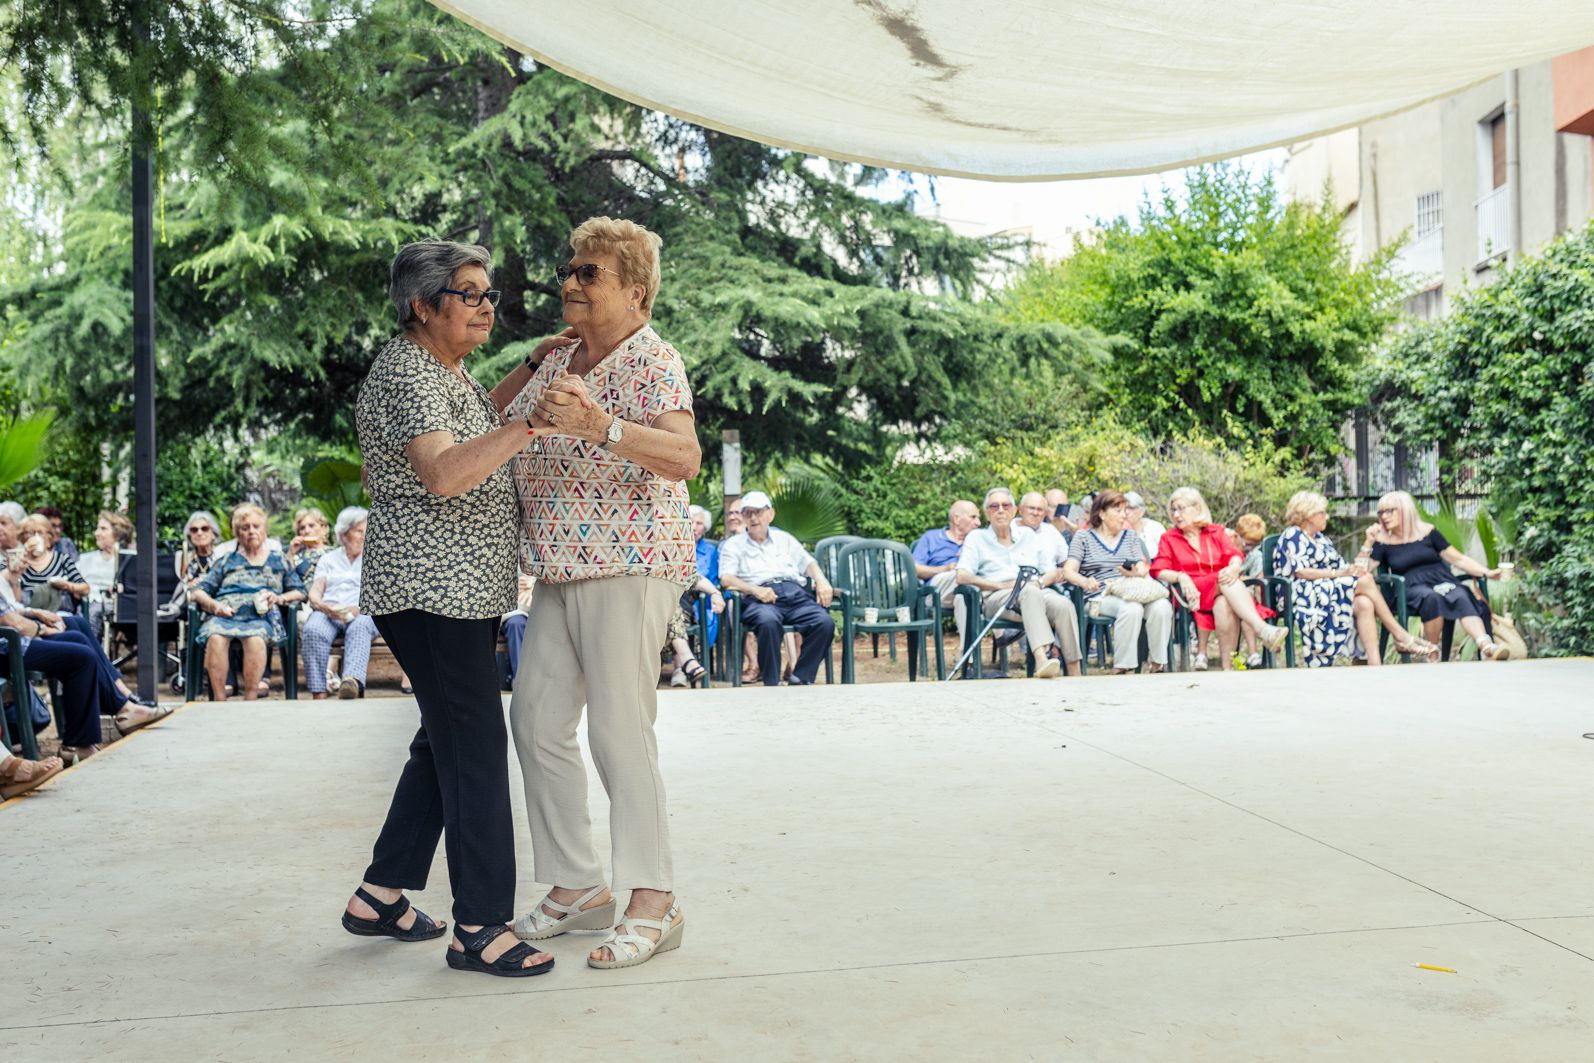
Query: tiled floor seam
<point x="942" y="962"/>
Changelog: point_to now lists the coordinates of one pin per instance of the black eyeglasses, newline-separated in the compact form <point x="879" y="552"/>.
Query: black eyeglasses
<point x="474" y="296"/>
<point x="585" y="274"/>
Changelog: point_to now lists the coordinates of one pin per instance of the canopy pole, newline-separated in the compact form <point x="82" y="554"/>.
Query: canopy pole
<point x="144" y="382"/>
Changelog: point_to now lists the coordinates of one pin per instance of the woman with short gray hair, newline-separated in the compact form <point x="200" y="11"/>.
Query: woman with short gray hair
<point x="335" y="604"/>
<point x="437" y="574"/>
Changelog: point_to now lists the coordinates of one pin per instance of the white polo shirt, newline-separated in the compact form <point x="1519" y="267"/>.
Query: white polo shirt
<point x="983" y="556"/>
<point x="778" y="557"/>
<point x="1051" y="546"/>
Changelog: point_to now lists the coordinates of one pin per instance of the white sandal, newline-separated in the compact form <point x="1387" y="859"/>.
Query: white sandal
<point x="628" y="949"/>
<point x="1493" y="651"/>
<point x="537" y="924"/>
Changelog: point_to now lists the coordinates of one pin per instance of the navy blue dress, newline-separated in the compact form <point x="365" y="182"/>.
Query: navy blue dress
<point x="1432" y="592"/>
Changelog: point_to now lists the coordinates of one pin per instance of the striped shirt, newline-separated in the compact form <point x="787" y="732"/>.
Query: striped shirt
<point x="1099" y="560"/>
<point x="60" y="567"/>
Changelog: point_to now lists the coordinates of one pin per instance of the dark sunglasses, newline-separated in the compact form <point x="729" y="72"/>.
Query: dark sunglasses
<point x="586" y="274"/>
<point x="474" y="296"/>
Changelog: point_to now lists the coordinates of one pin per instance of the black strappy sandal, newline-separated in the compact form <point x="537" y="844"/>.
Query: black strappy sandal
<point x="386" y="922"/>
<point x="693" y="670"/>
<point x="506" y="966"/>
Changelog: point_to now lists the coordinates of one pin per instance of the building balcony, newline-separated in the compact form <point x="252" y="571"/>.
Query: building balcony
<point x="1422" y="260"/>
<point x="1494" y="224"/>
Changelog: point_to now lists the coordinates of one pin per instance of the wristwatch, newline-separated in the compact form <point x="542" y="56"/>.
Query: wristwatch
<point x="612" y="436"/>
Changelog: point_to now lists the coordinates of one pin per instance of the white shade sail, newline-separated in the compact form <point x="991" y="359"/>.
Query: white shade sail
<point x="1026" y="90"/>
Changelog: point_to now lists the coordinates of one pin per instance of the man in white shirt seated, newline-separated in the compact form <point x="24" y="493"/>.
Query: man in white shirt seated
<point x="768" y="567"/>
<point x="990" y="561"/>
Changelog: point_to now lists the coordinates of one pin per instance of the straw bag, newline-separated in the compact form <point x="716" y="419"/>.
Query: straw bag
<point x="1142" y="589"/>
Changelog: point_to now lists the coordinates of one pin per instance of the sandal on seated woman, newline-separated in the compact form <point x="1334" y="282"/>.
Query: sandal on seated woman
<point x="1414" y="646"/>
<point x="18" y="776"/>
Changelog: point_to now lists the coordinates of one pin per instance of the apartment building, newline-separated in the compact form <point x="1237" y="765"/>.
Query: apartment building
<point x="1468" y="182"/>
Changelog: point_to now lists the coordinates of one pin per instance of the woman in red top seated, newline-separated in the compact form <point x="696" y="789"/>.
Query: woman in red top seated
<point x="1197" y="556"/>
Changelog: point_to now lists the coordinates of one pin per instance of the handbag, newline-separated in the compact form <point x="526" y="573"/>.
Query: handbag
<point x="1142" y="589"/>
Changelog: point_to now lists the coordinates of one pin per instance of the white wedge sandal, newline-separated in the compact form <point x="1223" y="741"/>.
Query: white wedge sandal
<point x="628" y="948"/>
<point x="537" y="925"/>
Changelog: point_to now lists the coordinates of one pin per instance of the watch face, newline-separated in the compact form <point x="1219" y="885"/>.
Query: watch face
<point x="615" y="430"/>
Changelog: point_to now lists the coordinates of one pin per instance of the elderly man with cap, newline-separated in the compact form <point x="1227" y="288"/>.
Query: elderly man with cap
<point x="1148" y="529"/>
<point x="768" y="567"/>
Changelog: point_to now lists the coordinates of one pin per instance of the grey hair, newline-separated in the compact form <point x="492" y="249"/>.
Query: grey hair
<point x="699" y="511"/>
<point x="993" y="492"/>
<point x="200" y="516"/>
<point x="348" y="517"/>
<point x="14" y="511"/>
<point x="424" y="268"/>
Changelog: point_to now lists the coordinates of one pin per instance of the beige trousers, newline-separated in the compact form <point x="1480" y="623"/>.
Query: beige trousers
<point x="594" y="644"/>
<point x="1047" y="617"/>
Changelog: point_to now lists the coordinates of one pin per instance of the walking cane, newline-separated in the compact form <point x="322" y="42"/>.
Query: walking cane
<point x="1025" y="574"/>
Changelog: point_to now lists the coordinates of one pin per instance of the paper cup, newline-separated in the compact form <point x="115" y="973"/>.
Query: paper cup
<point x="262" y="602"/>
<point x="904" y="614"/>
<point x="1507" y="571"/>
<point x="871" y="615"/>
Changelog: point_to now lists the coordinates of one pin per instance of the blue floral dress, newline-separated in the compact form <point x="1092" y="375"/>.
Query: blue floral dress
<point x="234" y="581"/>
<point x="1323" y="607"/>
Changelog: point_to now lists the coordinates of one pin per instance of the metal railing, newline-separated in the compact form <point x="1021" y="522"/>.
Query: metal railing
<point x="1494" y="223"/>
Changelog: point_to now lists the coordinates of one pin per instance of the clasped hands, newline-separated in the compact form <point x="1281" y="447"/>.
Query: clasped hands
<point x="566" y="407"/>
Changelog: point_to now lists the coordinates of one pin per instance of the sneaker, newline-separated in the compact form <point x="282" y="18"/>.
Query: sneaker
<point x="334" y="683"/>
<point x="348" y="689"/>
<point x="678" y="678"/>
<point x="1254" y="661"/>
<point x="1199" y="664"/>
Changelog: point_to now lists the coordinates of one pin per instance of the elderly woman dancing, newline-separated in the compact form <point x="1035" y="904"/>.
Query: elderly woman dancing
<point x="438" y="572"/>
<point x="611" y="545"/>
<point x="335" y="601"/>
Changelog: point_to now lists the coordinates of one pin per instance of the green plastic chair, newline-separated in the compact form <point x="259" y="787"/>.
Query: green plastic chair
<point x="17" y="678"/>
<point x="880" y="574"/>
<point x="1394" y="588"/>
<point x="975" y="620"/>
<point x="194" y="666"/>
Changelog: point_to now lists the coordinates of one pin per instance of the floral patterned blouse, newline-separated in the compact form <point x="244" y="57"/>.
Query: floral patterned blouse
<point x="588" y="512"/>
<point x="451" y="556"/>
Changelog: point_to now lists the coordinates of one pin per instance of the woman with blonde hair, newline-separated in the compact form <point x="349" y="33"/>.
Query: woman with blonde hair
<point x="1198" y="557"/>
<point x="622" y="441"/>
<point x="1335" y="604"/>
<point x="311" y="539"/>
<point x="1402" y="543"/>
<point x="241" y="592"/>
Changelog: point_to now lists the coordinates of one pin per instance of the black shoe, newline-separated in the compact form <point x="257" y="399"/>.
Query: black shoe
<point x="509" y="965"/>
<point x="1006" y="639"/>
<point x="386" y="922"/>
<point x="145" y="703"/>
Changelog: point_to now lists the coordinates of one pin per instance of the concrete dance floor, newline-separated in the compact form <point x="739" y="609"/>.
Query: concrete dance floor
<point x="1179" y="867"/>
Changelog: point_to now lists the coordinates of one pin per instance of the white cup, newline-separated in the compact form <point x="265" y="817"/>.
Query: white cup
<point x="904" y="614"/>
<point x="262" y="601"/>
<point x="871" y="615"/>
<point x="1507" y="571"/>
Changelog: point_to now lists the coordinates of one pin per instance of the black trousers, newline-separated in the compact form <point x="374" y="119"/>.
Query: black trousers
<point x="456" y="782"/>
<point x="792" y="605"/>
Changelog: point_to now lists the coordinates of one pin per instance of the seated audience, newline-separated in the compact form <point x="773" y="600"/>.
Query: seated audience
<point x="990" y="560"/>
<point x="686" y="669"/>
<point x="241" y="592"/>
<point x="91" y="687"/>
<point x="1337" y="607"/>
<point x="768" y="566"/>
<point x="201" y="537"/>
<point x="112" y="534"/>
<point x="50" y="580"/>
<point x="1106" y="551"/>
<point x="935" y="555"/>
<point x="1407" y="546"/>
<point x="1033" y="514"/>
<point x="515" y="623"/>
<point x="1150" y="531"/>
<point x="335" y="610"/>
<point x="310" y="542"/>
<point x="1199" y="558"/>
<point x="18" y="776"/>
<point x="63" y="545"/>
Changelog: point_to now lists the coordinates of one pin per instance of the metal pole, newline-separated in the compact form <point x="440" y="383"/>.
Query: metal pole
<point x="144" y="384"/>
